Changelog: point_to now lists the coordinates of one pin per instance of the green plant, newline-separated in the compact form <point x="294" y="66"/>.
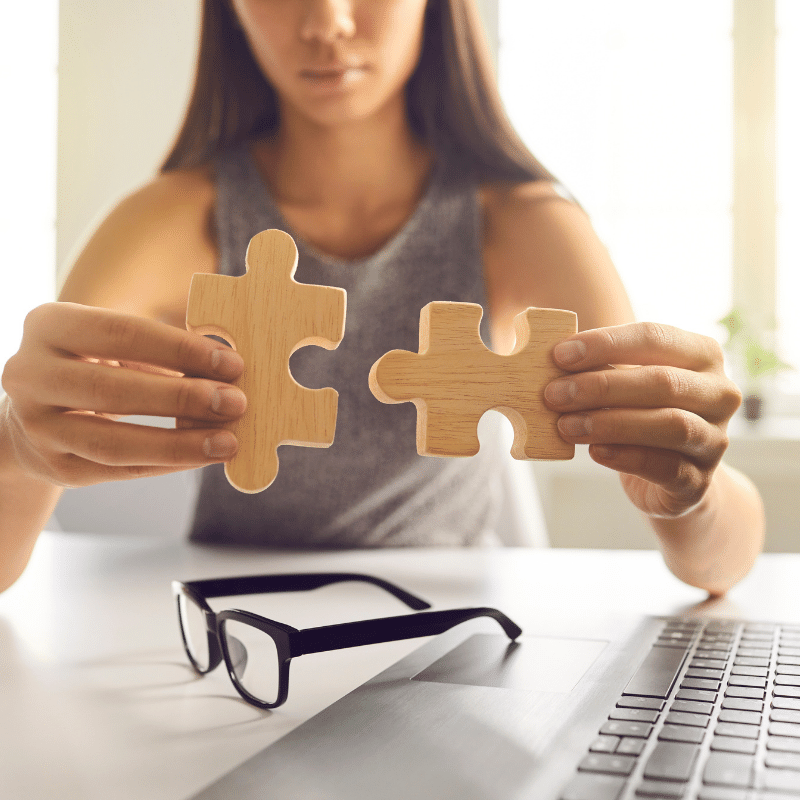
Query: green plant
<point x="745" y="346"/>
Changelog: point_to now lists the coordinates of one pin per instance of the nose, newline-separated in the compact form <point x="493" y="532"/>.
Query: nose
<point x="328" y="20"/>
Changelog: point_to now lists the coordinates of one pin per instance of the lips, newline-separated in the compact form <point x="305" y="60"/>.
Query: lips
<point x="331" y="72"/>
<point x="333" y="78"/>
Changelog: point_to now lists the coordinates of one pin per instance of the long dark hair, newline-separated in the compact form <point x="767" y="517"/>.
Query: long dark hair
<point x="452" y="96"/>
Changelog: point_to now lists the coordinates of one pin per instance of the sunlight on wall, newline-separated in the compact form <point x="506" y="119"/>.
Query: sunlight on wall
<point x="630" y="107"/>
<point x="28" y="86"/>
<point x="788" y="179"/>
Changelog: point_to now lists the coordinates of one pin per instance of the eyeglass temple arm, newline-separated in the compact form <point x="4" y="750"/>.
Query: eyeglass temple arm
<point x="260" y="584"/>
<point x="390" y="629"/>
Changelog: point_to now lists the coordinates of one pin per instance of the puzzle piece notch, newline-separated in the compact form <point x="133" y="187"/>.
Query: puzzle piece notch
<point x="266" y="316"/>
<point x="455" y="379"/>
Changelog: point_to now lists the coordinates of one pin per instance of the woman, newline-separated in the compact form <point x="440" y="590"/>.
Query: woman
<point x="371" y="131"/>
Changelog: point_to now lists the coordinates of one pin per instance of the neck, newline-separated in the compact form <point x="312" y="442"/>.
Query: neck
<point x="362" y="164"/>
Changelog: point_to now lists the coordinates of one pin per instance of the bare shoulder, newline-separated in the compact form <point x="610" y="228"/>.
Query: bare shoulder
<point x="141" y="257"/>
<point x="540" y="249"/>
<point x="512" y="212"/>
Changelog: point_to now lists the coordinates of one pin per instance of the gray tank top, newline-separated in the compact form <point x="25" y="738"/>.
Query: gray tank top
<point x="370" y="488"/>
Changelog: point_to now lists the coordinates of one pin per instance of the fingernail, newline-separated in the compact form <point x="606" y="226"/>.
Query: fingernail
<point x="569" y="352"/>
<point x="604" y="452"/>
<point x="226" y="362"/>
<point x="575" y="425"/>
<point x="560" y="392"/>
<point x="228" y="402"/>
<point x="220" y="445"/>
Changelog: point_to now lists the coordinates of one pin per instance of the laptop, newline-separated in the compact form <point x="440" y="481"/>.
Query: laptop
<point x="653" y="707"/>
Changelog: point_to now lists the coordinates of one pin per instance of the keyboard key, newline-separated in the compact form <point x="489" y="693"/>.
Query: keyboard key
<point x="788" y="651"/>
<point x="631" y="747"/>
<point x="614" y="727"/>
<point x="743" y="704"/>
<point x="681" y="733"/>
<point x="605" y="744"/>
<point x="783" y="761"/>
<point x="754" y="672"/>
<point x="737" y="729"/>
<point x="753" y="652"/>
<point x="692" y="707"/>
<point x="746" y="680"/>
<point x="728" y="769"/>
<point x="786" y="702"/>
<point x="781" y="780"/>
<point x="634" y="714"/>
<point x="653" y="703"/>
<point x="660" y="790"/>
<point x="671" y="761"/>
<point x="588" y="786"/>
<point x="708" y="663"/>
<point x="696" y="694"/>
<point x="761" y="627"/>
<point x="783" y="744"/>
<point x="656" y="674"/>
<point x="700" y="683"/>
<point x="787" y="680"/>
<point x="607" y="764"/>
<point x="788" y="669"/>
<point x="784" y="729"/>
<point x="757" y="639"/>
<point x="786" y="691"/>
<point x="788" y="660"/>
<point x="784" y="715"/>
<point x="748" y="691"/>
<point x="733" y="744"/>
<point x="712" y="653"/>
<point x="684" y="718"/>
<point x="744" y="717"/>
<point x="744" y="661"/>
<point x="713" y="674"/>
<point x="722" y="793"/>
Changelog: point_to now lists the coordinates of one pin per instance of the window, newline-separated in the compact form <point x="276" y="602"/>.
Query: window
<point x="788" y="187"/>
<point x="632" y="105"/>
<point x="28" y="86"/>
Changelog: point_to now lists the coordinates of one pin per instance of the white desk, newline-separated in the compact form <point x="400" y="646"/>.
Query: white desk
<point x="97" y="701"/>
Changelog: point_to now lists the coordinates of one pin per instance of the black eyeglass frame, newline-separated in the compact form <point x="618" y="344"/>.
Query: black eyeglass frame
<point x="291" y="642"/>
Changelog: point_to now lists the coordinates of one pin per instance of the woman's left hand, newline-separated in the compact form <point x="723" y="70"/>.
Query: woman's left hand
<point x="661" y="424"/>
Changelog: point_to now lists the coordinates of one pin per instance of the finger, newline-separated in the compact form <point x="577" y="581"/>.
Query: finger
<point x="77" y="472"/>
<point x="664" y="428"/>
<point x="702" y="393"/>
<point x="86" y="331"/>
<point x="123" y="444"/>
<point x="674" y="483"/>
<point x="638" y="343"/>
<point x="84" y="385"/>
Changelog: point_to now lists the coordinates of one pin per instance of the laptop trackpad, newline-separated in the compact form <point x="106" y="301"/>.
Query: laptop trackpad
<point x="536" y="663"/>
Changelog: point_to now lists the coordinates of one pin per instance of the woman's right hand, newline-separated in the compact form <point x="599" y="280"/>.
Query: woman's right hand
<point x="80" y="368"/>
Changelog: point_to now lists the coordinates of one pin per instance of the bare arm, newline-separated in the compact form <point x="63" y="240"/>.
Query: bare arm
<point x="661" y="421"/>
<point x="106" y="351"/>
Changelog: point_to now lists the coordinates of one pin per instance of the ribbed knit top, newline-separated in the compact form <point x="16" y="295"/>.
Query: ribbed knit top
<point x="370" y="488"/>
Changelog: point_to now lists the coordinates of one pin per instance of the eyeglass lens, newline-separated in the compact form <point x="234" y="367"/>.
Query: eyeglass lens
<point x="193" y="624"/>
<point x="254" y="659"/>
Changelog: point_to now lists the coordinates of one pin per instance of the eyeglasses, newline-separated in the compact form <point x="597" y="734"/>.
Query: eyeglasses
<point x="258" y="651"/>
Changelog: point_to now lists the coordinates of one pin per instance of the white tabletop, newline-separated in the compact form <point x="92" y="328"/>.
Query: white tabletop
<point x="98" y="701"/>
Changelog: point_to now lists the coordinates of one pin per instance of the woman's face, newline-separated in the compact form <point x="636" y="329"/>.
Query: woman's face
<point x="334" y="61"/>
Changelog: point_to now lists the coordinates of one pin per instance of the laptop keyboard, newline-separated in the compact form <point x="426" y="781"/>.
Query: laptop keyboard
<point x="712" y="713"/>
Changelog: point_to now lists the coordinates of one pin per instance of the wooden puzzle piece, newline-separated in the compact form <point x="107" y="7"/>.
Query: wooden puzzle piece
<point x="455" y="379"/>
<point x="266" y="315"/>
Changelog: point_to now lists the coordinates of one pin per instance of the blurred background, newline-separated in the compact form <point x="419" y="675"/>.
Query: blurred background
<point x="675" y="124"/>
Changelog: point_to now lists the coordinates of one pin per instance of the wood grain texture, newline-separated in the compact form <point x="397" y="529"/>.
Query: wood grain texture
<point x="266" y="315"/>
<point x="455" y="379"/>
